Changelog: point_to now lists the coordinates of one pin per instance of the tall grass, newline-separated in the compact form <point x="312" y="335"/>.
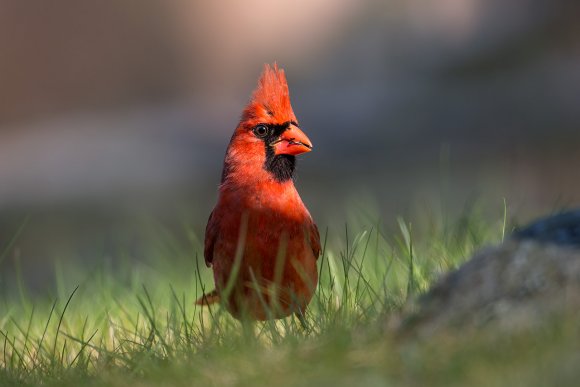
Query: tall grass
<point x="137" y="322"/>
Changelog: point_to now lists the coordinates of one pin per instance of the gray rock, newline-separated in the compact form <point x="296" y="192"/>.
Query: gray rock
<point x="519" y="284"/>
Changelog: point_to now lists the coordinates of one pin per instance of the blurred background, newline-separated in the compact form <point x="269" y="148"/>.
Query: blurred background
<point x="115" y="115"/>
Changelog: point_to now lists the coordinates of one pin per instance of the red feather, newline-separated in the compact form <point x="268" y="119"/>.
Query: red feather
<point x="261" y="241"/>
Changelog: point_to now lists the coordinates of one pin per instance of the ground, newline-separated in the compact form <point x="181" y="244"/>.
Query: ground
<point x="136" y="324"/>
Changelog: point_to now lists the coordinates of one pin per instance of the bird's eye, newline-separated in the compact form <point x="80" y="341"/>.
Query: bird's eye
<point x="261" y="131"/>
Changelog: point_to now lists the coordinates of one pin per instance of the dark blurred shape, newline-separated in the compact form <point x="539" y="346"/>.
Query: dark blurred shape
<point x="561" y="229"/>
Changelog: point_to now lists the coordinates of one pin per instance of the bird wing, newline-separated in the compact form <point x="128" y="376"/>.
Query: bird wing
<point x="211" y="231"/>
<point x="314" y="239"/>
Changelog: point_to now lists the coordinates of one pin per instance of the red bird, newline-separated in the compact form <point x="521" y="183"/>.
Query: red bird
<point x="260" y="239"/>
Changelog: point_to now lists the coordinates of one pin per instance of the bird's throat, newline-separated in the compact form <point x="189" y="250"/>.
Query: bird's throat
<point x="280" y="166"/>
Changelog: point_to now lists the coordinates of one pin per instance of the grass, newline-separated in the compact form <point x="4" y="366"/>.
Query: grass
<point x="125" y="323"/>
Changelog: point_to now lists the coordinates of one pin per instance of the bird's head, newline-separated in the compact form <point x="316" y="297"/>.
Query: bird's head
<point x="268" y="136"/>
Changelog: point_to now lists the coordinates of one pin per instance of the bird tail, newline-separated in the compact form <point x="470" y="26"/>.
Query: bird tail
<point x="208" y="298"/>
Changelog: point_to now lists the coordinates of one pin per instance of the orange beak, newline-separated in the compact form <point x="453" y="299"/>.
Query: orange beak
<point x="292" y="142"/>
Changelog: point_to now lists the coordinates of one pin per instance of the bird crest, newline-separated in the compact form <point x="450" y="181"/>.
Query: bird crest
<point x="271" y="98"/>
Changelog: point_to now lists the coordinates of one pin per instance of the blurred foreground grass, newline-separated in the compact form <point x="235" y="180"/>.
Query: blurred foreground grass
<point x="129" y="323"/>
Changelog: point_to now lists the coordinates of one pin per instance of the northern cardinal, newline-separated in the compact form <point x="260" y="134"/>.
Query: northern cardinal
<point x="260" y="239"/>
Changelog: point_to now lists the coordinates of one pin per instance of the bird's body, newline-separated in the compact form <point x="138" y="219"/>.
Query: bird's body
<point x="260" y="239"/>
